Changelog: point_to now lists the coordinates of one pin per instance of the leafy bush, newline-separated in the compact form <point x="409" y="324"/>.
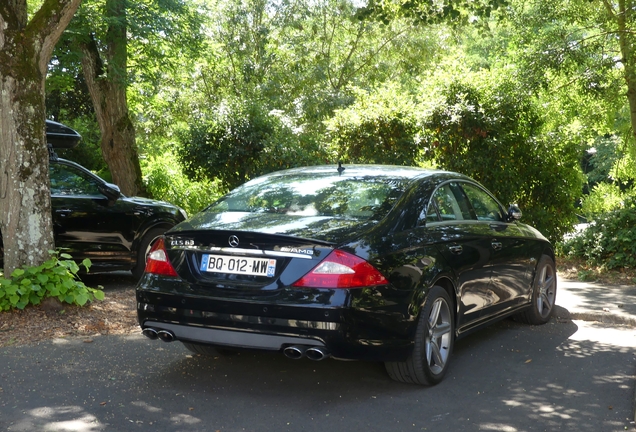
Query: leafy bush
<point x="243" y="140"/>
<point x="603" y="198"/>
<point x="380" y="127"/>
<point x="610" y="241"/>
<point x="55" y="278"/>
<point x="495" y="135"/>
<point x="165" y="180"/>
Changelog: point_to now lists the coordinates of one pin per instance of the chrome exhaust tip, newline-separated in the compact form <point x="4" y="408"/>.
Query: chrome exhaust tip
<point x="150" y="333"/>
<point x="317" y="353"/>
<point x="294" y="352"/>
<point x="166" y="336"/>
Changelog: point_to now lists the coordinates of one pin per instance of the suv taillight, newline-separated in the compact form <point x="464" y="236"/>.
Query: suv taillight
<point x="158" y="262"/>
<point x="342" y="270"/>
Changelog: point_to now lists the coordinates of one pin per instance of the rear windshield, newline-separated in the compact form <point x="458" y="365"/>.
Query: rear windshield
<point x="364" y="197"/>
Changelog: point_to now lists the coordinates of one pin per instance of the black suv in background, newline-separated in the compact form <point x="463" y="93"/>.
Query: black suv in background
<point x="93" y="219"/>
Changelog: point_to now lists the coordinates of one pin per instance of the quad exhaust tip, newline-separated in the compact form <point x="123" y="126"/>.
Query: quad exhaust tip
<point x="154" y="334"/>
<point x="150" y="333"/>
<point x="296" y="352"/>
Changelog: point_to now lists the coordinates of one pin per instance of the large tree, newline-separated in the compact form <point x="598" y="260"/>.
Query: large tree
<point x="119" y="43"/>
<point x="106" y="77"/>
<point x="26" y="46"/>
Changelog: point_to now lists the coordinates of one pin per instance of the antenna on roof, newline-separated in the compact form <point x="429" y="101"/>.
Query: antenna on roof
<point x="340" y="168"/>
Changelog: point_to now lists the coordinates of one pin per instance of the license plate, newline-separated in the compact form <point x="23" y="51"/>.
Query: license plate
<point x="238" y="265"/>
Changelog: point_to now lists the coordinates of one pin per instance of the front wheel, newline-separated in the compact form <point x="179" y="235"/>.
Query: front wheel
<point x="434" y="340"/>
<point x="543" y="293"/>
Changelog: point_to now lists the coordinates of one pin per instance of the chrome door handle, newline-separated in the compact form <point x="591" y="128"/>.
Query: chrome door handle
<point x="496" y="245"/>
<point x="64" y="212"/>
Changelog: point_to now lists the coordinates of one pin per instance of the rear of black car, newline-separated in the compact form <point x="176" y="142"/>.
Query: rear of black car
<point x="280" y="280"/>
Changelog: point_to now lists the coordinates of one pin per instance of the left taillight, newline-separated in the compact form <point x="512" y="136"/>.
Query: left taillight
<point x="341" y="269"/>
<point x="158" y="262"/>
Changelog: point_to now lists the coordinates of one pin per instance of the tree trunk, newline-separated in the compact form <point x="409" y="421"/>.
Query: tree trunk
<point x="626" y="40"/>
<point x="108" y="92"/>
<point x="25" y="197"/>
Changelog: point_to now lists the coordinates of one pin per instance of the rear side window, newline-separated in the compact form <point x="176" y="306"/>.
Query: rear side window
<point x="485" y="207"/>
<point x="66" y="180"/>
<point x="448" y="203"/>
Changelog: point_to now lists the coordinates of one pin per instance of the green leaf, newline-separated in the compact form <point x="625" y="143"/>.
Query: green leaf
<point x="99" y="295"/>
<point x="17" y="273"/>
<point x="81" y="299"/>
<point x="43" y="278"/>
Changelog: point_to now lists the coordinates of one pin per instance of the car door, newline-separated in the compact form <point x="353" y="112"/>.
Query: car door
<point x="465" y="244"/>
<point x="509" y="253"/>
<point x="86" y="223"/>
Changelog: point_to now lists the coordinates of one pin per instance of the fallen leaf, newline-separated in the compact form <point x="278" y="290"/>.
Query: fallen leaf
<point x="528" y="361"/>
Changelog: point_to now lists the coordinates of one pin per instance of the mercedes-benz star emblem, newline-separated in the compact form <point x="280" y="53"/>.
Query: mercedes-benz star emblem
<point x="233" y="241"/>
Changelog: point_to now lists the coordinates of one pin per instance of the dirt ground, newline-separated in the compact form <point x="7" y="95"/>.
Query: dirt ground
<point x="116" y="314"/>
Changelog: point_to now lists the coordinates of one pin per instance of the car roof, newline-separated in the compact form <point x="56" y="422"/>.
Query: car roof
<point x="356" y="170"/>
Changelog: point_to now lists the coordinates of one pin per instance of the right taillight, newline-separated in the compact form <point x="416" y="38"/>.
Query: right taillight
<point x="158" y="262"/>
<point x="341" y="269"/>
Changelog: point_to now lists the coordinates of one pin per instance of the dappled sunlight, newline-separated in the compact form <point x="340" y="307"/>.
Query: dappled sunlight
<point x="147" y="407"/>
<point x="497" y="427"/>
<point x="562" y="376"/>
<point x="608" y="337"/>
<point x="185" y="419"/>
<point x="62" y="418"/>
<point x="510" y="377"/>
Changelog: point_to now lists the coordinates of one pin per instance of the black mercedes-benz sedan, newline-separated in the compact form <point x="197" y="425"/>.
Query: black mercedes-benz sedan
<point x="360" y="262"/>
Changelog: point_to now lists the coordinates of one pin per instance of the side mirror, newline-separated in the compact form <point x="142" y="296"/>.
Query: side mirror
<point x="514" y="213"/>
<point x="111" y="191"/>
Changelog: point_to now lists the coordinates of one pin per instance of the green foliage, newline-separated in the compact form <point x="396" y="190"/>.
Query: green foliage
<point x="599" y="161"/>
<point x="603" y="198"/>
<point x="494" y="134"/>
<point x="165" y="181"/>
<point x="54" y="278"/>
<point x="380" y="127"/>
<point x="243" y="141"/>
<point x="431" y="12"/>
<point x="610" y="241"/>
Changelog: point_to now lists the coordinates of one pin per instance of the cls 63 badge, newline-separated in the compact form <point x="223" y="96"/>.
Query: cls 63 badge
<point x="181" y="242"/>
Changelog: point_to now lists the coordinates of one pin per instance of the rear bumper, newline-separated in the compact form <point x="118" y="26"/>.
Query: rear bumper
<point x="343" y="322"/>
<point x="231" y="338"/>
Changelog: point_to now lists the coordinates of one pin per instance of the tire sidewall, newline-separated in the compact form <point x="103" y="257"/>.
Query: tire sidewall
<point x="419" y="359"/>
<point x="537" y="318"/>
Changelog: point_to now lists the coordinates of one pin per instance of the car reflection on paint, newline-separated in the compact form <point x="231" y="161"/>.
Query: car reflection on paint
<point x="364" y="262"/>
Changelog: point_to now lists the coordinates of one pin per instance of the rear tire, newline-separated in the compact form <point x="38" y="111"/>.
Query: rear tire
<point x="144" y="248"/>
<point x="434" y="340"/>
<point x="544" y="292"/>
